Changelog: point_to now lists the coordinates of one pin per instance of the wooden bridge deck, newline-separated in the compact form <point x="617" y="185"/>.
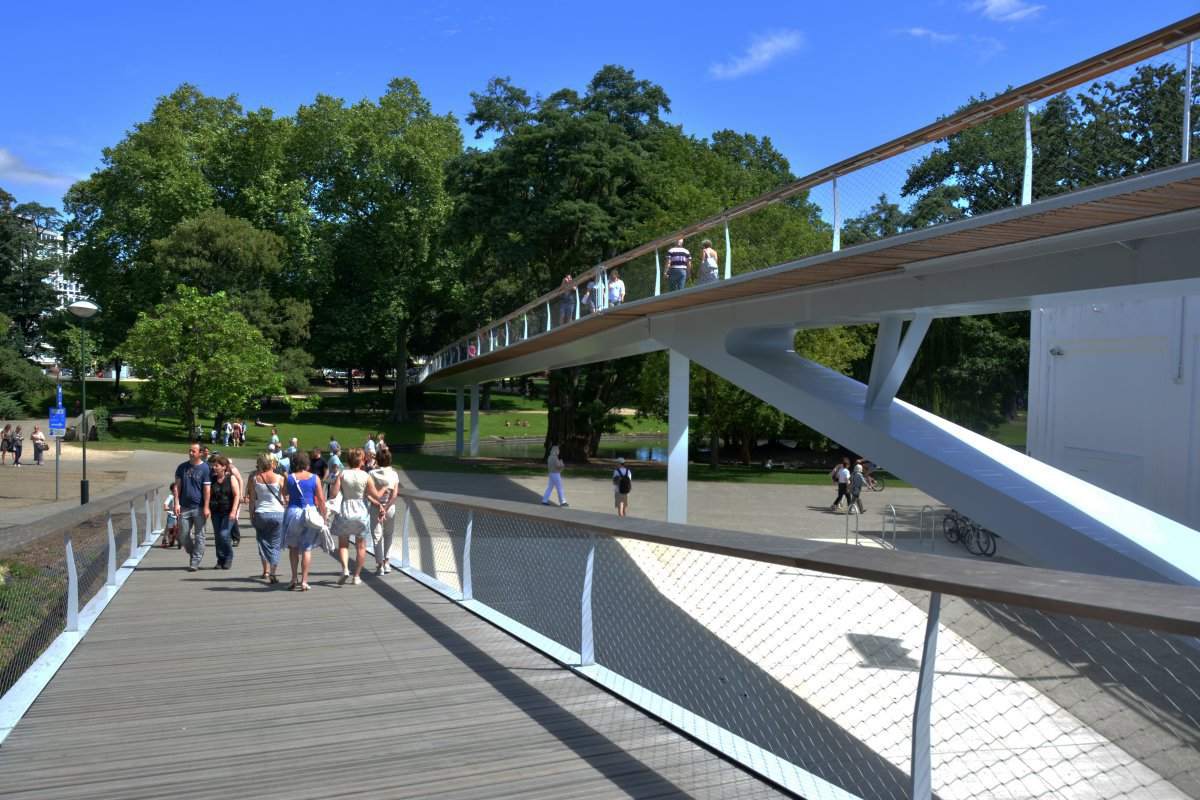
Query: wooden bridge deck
<point x="212" y="684"/>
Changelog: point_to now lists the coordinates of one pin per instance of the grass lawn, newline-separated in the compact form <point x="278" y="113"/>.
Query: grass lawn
<point x="432" y="422"/>
<point x="1014" y="434"/>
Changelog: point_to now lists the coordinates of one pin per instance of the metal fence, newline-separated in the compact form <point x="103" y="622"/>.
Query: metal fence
<point x="46" y="581"/>
<point x="1022" y="156"/>
<point x="840" y="671"/>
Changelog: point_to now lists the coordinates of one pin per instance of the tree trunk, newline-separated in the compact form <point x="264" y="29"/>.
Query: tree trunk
<point x="485" y="397"/>
<point x="714" y="438"/>
<point x="400" y="392"/>
<point x="350" y="388"/>
<point x="560" y="416"/>
<point x="746" y="438"/>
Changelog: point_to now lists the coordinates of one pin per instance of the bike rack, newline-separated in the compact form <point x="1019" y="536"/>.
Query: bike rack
<point x="921" y="527"/>
<point x="853" y="510"/>
<point x="883" y="525"/>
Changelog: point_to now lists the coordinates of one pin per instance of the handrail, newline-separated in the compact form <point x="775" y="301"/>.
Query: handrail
<point x="19" y="535"/>
<point x="1101" y="64"/>
<point x="1163" y="607"/>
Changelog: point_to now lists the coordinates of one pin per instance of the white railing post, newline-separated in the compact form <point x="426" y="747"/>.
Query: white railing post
<point x="468" y="590"/>
<point x="158" y="511"/>
<point x="549" y="319"/>
<point x="837" y="219"/>
<point x="149" y="527"/>
<point x="657" y="275"/>
<point x="587" y="650"/>
<point x="1187" y="107"/>
<point x="72" y="584"/>
<point x="922" y="775"/>
<point x="112" y="553"/>
<point x="133" y="519"/>
<point x="525" y="319"/>
<point x="578" y="305"/>
<point x="404" y="559"/>
<point x="728" y="252"/>
<point x="1027" y="181"/>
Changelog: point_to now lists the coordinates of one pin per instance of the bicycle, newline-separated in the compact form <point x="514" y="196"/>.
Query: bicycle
<point x="875" y="483"/>
<point x="960" y="528"/>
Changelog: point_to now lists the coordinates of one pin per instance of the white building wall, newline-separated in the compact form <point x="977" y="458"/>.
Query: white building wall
<point x="1114" y="399"/>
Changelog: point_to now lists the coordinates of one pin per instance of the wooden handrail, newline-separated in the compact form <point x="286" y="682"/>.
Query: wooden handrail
<point x="1158" y="606"/>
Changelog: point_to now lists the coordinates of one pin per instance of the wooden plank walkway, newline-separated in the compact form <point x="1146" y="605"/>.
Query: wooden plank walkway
<point x="213" y="684"/>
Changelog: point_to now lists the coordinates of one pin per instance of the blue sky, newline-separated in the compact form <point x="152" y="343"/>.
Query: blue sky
<point x="823" y="80"/>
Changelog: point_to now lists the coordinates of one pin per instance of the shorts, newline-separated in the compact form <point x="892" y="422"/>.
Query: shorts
<point x="620" y="499"/>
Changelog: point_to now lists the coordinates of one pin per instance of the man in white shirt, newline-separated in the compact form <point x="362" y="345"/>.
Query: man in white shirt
<point x="616" y="288"/>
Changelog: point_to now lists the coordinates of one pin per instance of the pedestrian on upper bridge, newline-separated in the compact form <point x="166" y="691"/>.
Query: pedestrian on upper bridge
<point x="679" y="267"/>
<point x="708" y="264"/>
<point x="566" y="304"/>
<point x="616" y="288"/>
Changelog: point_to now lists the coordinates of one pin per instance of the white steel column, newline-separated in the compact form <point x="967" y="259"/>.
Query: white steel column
<point x="677" y="438"/>
<point x="837" y="219"/>
<point x="1187" y="107"/>
<point x="728" y="253"/>
<point x="475" y="419"/>
<point x="1027" y="181"/>
<point x="458" y="421"/>
<point x="890" y="366"/>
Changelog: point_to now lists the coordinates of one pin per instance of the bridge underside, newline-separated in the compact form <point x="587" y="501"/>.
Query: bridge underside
<point x="1135" y="239"/>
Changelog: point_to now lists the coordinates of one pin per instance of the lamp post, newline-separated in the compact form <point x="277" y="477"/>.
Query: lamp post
<point x="83" y="309"/>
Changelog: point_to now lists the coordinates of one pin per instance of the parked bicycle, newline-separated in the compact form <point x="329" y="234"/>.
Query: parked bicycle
<point x="969" y="533"/>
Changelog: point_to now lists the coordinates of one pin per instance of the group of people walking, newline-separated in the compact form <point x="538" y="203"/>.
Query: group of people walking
<point x="357" y="499"/>
<point x="12" y="442"/>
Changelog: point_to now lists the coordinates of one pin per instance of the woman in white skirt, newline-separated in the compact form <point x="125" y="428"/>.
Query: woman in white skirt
<point x="555" y="466"/>
<point x="383" y="514"/>
<point x="356" y="489"/>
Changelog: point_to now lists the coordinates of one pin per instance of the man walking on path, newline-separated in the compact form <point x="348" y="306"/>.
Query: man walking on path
<point x="622" y="483"/>
<point x="193" y="483"/>
<point x="679" y="267"/>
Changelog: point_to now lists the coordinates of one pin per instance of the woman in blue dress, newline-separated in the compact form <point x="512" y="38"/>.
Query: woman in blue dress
<point x="303" y="489"/>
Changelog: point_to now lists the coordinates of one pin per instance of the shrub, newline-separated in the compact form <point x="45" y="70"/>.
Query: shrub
<point x="11" y="407"/>
<point x="100" y="421"/>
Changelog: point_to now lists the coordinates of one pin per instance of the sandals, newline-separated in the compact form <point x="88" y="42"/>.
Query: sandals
<point x="265" y="576"/>
<point x="272" y="579"/>
<point x="304" y="587"/>
<point x="292" y="586"/>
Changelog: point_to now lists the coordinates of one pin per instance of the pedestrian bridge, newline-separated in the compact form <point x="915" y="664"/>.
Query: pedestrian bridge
<point x="519" y="652"/>
<point x="1133" y="238"/>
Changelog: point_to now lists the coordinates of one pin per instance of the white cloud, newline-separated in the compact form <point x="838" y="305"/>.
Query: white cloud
<point x="1006" y="10"/>
<point x="762" y="51"/>
<point x="13" y="168"/>
<point x="933" y="36"/>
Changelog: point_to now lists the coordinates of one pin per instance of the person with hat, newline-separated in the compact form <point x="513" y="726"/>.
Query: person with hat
<point x="622" y="483"/>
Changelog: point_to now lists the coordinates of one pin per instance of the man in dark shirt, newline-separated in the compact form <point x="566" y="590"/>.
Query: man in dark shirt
<point x="679" y="267"/>
<point x="318" y="466"/>
<point x="193" y="483"/>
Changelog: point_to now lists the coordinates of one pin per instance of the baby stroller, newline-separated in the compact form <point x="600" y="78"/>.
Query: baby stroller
<point x="170" y="535"/>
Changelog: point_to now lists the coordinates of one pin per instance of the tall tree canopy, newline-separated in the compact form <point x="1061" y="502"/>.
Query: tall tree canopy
<point x="376" y="179"/>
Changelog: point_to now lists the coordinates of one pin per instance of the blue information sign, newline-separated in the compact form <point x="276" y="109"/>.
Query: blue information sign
<point x="58" y="421"/>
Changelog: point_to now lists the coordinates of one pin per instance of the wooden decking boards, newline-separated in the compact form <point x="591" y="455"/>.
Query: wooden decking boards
<point x="212" y="684"/>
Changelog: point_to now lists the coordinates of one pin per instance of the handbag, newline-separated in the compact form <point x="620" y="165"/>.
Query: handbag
<point x="312" y="514"/>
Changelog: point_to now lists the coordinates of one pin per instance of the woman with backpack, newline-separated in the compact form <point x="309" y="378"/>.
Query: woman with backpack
<point x="622" y="483"/>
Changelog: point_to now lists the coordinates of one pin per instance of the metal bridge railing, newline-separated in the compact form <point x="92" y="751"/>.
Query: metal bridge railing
<point x="841" y="671"/>
<point x="1034" y="163"/>
<point x="48" y="580"/>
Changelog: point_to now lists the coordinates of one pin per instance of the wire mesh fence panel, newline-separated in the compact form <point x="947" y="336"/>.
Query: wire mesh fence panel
<point x="531" y="572"/>
<point x="640" y="277"/>
<point x="791" y="661"/>
<point x="436" y="536"/>
<point x="33" y="604"/>
<point x="90" y="544"/>
<point x="1030" y="704"/>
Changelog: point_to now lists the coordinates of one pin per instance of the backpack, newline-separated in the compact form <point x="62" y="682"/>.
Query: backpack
<point x="623" y="483"/>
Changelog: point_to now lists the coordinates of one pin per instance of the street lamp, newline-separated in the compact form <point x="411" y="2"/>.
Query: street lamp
<point x="83" y="309"/>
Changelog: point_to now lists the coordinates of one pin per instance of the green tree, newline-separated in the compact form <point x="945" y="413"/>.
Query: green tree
<point x="28" y="255"/>
<point x="193" y="154"/>
<point x="376" y="174"/>
<point x="195" y="352"/>
<point x="20" y="381"/>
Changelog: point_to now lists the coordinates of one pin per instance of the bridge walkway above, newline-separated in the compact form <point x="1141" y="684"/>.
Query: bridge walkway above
<point x="214" y="684"/>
